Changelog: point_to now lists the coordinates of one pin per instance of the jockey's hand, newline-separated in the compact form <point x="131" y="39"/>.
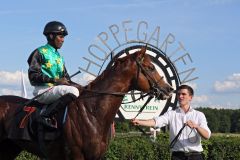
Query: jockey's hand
<point x="62" y="81"/>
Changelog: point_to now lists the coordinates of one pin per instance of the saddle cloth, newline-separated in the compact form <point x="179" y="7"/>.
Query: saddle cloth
<point x="25" y="125"/>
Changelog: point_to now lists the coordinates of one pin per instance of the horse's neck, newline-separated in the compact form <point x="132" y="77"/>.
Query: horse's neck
<point x="107" y="105"/>
<point x="112" y="81"/>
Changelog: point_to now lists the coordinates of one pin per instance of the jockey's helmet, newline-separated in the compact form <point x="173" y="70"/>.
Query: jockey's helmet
<point x="55" y="27"/>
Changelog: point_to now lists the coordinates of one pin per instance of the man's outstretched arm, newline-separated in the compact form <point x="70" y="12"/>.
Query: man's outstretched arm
<point x="147" y="123"/>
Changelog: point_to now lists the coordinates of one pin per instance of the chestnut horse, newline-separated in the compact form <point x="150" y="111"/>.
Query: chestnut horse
<point x="86" y="129"/>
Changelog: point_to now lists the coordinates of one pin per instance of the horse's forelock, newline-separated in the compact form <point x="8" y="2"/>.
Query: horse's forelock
<point x="147" y="57"/>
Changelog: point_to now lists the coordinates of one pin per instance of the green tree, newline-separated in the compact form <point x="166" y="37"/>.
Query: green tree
<point x="235" y="122"/>
<point x="225" y="124"/>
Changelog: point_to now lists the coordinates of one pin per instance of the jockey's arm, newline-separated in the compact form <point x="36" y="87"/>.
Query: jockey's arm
<point x="35" y="73"/>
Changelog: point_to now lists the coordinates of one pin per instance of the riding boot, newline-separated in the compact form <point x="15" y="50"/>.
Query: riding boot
<point x="54" y="108"/>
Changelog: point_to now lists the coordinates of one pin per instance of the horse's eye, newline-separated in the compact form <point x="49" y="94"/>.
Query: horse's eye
<point x="151" y="68"/>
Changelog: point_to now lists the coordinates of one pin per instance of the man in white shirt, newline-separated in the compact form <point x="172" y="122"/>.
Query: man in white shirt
<point x="192" y="122"/>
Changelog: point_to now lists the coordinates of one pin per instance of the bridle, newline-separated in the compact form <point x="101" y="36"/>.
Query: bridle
<point x="155" y="89"/>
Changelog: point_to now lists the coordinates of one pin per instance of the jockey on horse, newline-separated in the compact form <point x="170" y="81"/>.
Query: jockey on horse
<point x="48" y="74"/>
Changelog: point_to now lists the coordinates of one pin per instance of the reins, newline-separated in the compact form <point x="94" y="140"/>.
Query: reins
<point x="173" y="142"/>
<point x="114" y="94"/>
<point x="106" y="93"/>
<point x="142" y="108"/>
<point x="177" y="136"/>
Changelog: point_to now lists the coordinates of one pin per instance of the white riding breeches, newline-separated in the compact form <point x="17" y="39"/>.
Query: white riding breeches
<point x="53" y="93"/>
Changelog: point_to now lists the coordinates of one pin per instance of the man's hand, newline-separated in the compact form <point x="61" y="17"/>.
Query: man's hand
<point x="62" y="81"/>
<point x="135" y="122"/>
<point x="192" y="124"/>
<point x="203" y="132"/>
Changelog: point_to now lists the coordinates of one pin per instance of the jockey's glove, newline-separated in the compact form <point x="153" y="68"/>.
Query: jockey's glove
<point x="61" y="81"/>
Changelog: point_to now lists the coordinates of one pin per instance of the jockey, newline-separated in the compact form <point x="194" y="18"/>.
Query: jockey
<point x="47" y="73"/>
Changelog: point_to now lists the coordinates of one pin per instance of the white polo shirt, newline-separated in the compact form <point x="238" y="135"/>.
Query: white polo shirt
<point x="190" y="139"/>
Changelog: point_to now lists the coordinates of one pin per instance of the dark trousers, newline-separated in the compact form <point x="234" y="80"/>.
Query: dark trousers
<point x="187" y="156"/>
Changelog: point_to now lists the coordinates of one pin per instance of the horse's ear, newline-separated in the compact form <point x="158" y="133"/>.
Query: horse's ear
<point x="127" y="53"/>
<point x="143" y="51"/>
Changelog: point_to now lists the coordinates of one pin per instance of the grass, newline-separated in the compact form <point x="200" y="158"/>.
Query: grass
<point x="226" y="134"/>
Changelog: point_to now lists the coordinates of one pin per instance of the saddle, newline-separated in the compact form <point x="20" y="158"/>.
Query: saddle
<point x="26" y="123"/>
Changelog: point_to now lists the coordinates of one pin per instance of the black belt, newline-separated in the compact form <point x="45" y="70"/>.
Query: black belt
<point x="186" y="154"/>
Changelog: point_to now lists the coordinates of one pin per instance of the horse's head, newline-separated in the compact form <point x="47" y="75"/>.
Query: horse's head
<point x="146" y="78"/>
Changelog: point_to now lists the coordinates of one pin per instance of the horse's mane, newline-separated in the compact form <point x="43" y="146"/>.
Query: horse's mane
<point x="106" y="72"/>
<point x="100" y="77"/>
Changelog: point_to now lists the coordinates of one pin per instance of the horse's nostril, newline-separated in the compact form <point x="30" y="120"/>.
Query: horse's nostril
<point x="170" y="89"/>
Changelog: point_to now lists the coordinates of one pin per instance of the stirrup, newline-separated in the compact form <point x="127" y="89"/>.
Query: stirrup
<point x="48" y="122"/>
